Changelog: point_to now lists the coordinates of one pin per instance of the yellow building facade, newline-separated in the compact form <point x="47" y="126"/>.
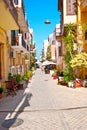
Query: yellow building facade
<point x="14" y="42"/>
<point x="82" y="30"/>
<point x="7" y="22"/>
<point x="3" y="55"/>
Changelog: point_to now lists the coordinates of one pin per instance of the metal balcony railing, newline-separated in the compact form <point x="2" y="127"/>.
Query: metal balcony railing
<point x="19" y="43"/>
<point x="23" y="43"/>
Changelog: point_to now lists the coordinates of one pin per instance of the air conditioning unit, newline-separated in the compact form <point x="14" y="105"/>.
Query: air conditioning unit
<point x="13" y="54"/>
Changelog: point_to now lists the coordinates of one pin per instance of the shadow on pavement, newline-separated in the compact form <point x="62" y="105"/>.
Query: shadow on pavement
<point x="11" y="107"/>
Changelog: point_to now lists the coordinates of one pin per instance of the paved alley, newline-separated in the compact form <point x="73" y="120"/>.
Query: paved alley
<point x="44" y="105"/>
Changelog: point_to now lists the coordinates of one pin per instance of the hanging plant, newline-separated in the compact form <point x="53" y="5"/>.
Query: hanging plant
<point x="68" y="40"/>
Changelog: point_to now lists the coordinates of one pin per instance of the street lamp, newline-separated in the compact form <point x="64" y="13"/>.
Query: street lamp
<point x="47" y="22"/>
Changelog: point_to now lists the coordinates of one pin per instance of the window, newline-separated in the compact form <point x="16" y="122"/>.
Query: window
<point x="60" y="51"/>
<point x="71" y="7"/>
<point x="25" y="36"/>
<point x="12" y="37"/>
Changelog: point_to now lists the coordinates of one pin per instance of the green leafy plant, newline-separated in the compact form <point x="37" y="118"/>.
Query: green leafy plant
<point x="10" y="76"/>
<point x="1" y="89"/>
<point x="29" y="74"/>
<point x="48" y="53"/>
<point x="24" y="78"/>
<point x="18" y="78"/>
<point x="68" y="40"/>
<point x="68" y="74"/>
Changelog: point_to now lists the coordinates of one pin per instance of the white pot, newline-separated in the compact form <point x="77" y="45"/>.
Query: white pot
<point x="70" y="84"/>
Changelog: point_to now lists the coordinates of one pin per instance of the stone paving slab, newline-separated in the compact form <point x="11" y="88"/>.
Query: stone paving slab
<point x="52" y="120"/>
<point x="76" y="118"/>
<point x="41" y="121"/>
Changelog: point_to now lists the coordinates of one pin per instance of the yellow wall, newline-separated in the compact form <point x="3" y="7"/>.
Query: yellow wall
<point x="4" y="55"/>
<point x="84" y="17"/>
<point x="2" y="36"/>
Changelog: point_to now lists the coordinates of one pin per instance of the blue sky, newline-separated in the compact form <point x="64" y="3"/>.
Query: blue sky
<point x="37" y="12"/>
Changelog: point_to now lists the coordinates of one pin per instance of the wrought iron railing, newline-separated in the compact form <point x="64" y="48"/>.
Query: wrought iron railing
<point x="23" y="43"/>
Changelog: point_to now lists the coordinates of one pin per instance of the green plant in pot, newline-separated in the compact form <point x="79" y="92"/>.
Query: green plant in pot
<point x="19" y="81"/>
<point x="18" y="78"/>
<point x="10" y="76"/>
<point x="1" y="91"/>
<point x="69" y="39"/>
<point x="68" y="75"/>
<point x="29" y="74"/>
<point x="24" y="78"/>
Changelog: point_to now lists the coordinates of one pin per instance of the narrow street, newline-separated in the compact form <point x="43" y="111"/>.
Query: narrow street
<point x="44" y="105"/>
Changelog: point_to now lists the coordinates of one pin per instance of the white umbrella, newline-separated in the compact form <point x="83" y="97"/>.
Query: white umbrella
<point x="48" y="63"/>
<point x="52" y="63"/>
<point x="37" y="62"/>
<point x="45" y="63"/>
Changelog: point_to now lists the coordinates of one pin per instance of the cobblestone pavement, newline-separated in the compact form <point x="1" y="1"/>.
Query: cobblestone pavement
<point x="44" y="105"/>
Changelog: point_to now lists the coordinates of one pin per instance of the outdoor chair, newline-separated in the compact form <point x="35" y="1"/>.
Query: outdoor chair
<point x="10" y="88"/>
<point x="14" y="81"/>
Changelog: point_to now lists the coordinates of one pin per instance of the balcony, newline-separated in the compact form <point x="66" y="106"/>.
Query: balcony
<point x="19" y="44"/>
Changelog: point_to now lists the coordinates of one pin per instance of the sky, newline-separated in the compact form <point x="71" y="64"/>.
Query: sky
<point x="38" y="11"/>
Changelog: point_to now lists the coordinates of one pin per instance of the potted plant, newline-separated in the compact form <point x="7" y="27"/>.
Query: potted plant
<point x="68" y="76"/>
<point x="19" y="81"/>
<point x="29" y="74"/>
<point x="1" y="91"/>
<point x="24" y="78"/>
<point x="10" y="76"/>
<point x="60" y="77"/>
<point x="68" y="40"/>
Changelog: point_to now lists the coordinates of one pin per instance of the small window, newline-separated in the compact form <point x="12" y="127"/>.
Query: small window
<point x="25" y="36"/>
<point x="85" y="35"/>
<point x="71" y="7"/>
<point x="60" y="51"/>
